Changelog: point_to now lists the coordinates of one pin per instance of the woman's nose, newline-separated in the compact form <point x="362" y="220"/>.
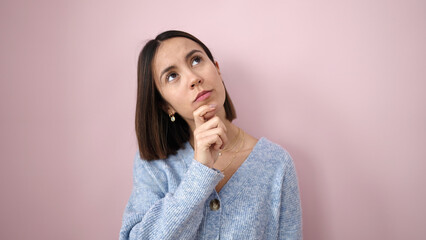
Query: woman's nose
<point x="193" y="77"/>
<point x="195" y="82"/>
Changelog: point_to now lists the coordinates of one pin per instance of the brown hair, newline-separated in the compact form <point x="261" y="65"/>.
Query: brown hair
<point x="157" y="136"/>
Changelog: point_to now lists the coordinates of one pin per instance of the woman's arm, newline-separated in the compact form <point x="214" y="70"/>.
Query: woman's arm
<point x="153" y="214"/>
<point x="291" y="211"/>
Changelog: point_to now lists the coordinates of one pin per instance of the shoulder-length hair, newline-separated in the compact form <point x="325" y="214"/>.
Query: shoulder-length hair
<point x="157" y="136"/>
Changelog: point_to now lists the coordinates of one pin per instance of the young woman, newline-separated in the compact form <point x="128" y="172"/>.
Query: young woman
<point x="197" y="175"/>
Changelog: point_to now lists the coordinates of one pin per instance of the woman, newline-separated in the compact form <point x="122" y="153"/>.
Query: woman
<point x="189" y="149"/>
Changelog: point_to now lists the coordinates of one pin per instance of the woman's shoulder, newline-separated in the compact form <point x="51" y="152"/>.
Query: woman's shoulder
<point x="185" y="151"/>
<point x="159" y="167"/>
<point x="271" y="151"/>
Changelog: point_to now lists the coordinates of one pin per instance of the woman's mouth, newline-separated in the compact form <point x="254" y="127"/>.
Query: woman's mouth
<point x="202" y="96"/>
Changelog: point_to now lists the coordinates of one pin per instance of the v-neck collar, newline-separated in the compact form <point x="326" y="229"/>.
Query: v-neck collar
<point x="237" y="181"/>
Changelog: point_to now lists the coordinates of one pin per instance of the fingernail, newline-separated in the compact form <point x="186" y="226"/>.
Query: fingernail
<point x="212" y="105"/>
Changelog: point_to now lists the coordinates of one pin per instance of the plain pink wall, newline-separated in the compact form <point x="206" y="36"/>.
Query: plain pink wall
<point x="340" y="84"/>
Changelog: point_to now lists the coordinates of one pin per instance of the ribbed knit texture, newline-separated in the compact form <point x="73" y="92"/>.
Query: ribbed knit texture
<point x="171" y="198"/>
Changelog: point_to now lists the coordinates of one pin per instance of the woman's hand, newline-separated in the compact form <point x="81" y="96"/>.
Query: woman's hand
<point x="209" y="135"/>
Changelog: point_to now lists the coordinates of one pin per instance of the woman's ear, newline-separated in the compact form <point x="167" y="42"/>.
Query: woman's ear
<point x="167" y="109"/>
<point x="170" y="111"/>
<point x="217" y="66"/>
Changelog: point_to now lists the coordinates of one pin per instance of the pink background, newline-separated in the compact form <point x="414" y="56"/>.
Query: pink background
<point x="340" y="84"/>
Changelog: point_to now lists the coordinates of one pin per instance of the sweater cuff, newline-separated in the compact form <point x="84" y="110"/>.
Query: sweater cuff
<point x="198" y="183"/>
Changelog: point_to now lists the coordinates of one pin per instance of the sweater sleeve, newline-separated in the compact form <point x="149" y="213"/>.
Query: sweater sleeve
<point x="291" y="211"/>
<point x="153" y="214"/>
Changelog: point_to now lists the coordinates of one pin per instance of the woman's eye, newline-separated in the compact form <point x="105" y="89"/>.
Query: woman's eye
<point x="196" y="61"/>
<point x="171" y="77"/>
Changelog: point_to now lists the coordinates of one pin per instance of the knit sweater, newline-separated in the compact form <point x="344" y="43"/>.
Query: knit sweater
<point x="175" y="198"/>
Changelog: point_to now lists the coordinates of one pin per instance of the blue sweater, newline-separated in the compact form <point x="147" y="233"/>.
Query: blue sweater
<point x="175" y="198"/>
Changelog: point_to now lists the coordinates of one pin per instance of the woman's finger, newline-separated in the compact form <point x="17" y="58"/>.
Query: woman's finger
<point x="209" y="143"/>
<point x="214" y="131"/>
<point x="214" y="122"/>
<point x="200" y="112"/>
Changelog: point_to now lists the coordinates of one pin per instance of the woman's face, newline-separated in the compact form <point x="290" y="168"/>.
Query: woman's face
<point x="182" y="70"/>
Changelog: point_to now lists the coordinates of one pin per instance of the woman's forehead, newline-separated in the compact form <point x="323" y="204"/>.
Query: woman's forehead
<point x="175" y="49"/>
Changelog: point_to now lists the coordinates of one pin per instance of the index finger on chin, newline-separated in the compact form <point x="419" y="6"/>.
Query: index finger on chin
<point x="200" y="112"/>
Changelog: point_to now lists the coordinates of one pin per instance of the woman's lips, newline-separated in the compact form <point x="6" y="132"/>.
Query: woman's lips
<point x="202" y="96"/>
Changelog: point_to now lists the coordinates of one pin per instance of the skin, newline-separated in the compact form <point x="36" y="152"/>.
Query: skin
<point x="179" y="86"/>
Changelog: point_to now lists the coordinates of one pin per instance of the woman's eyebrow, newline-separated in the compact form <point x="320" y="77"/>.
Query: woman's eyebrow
<point x="186" y="58"/>
<point x="191" y="52"/>
<point x="166" y="70"/>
